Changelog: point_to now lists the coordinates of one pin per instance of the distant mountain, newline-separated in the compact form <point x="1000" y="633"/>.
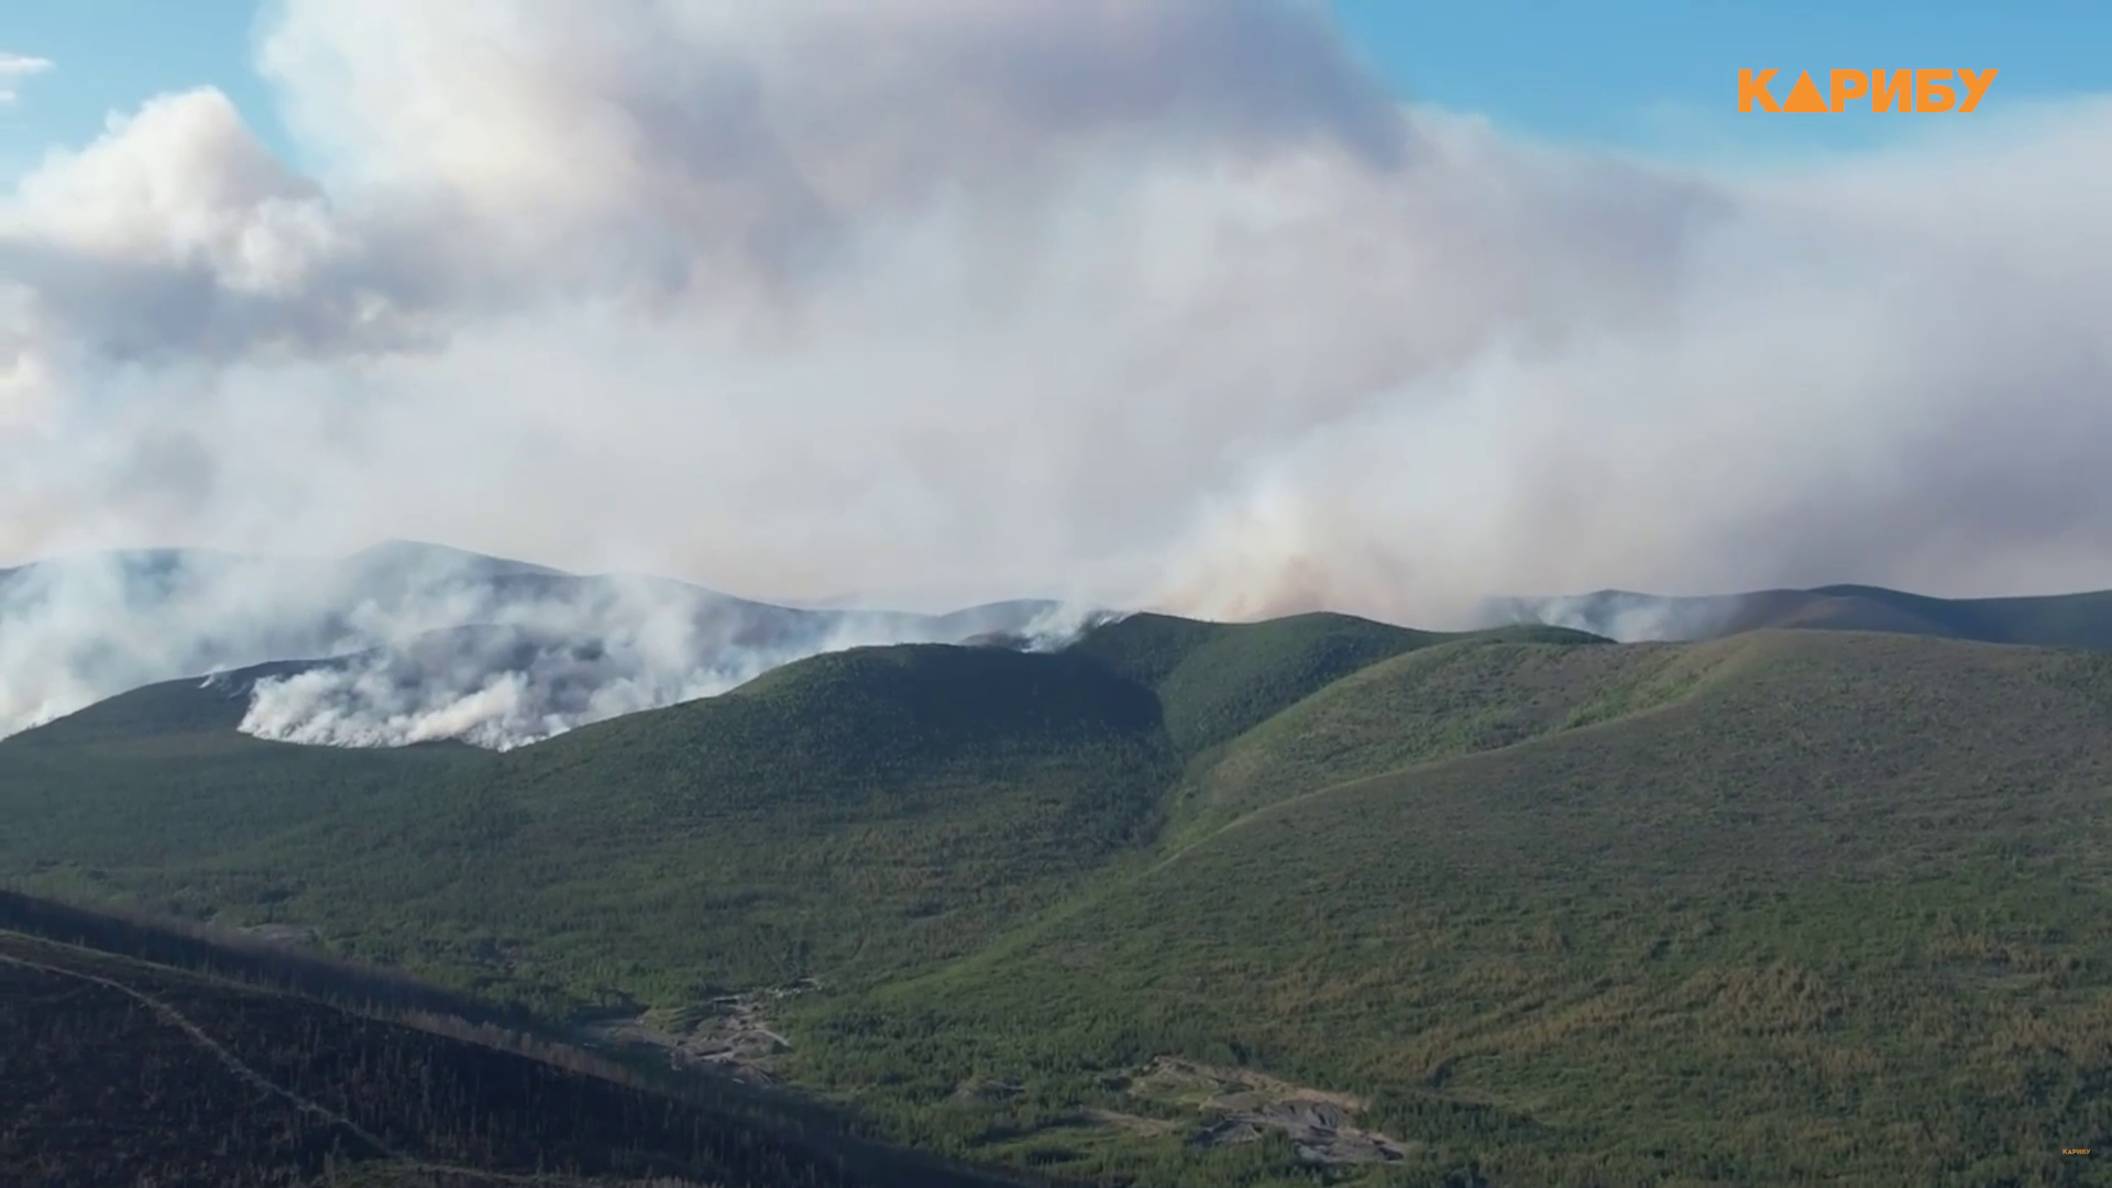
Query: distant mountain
<point x="452" y="644"/>
<point x="2057" y="621"/>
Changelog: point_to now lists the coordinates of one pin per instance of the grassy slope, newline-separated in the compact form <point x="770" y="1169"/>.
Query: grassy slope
<point x="1783" y="906"/>
<point x="1835" y="910"/>
<point x="1455" y="698"/>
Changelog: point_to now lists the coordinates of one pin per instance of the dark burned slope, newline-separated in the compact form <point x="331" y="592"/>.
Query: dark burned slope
<point x="114" y="1070"/>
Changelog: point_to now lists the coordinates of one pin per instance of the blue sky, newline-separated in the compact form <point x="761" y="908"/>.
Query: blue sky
<point x="1660" y="75"/>
<point x="1650" y="75"/>
<point x="111" y="54"/>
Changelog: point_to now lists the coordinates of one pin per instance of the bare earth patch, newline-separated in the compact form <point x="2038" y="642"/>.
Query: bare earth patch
<point x="1240" y="1105"/>
<point x="729" y="1034"/>
<point x="292" y="936"/>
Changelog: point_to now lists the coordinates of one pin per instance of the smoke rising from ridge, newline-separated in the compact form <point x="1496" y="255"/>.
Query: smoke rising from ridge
<point x="421" y="643"/>
<point x="1622" y="615"/>
<point x="503" y="688"/>
<point x="1161" y="305"/>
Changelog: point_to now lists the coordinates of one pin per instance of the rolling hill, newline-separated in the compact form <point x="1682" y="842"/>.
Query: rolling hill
<point x="2052" y="621"/>
<point x="861" y="807"/>
<point x="1195" y="903"/>
<point x="1806" y="906"/>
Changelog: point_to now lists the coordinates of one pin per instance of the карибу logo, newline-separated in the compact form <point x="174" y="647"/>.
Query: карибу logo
<point x="1935" y="90"/>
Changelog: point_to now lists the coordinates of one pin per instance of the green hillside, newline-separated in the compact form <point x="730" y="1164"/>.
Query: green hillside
<point x="843" y="816"/>
<point x="108" y="801"/>
<point x="1469" y="695"/>
<point x="1194" y="903"/>
<point x="1217" y="679"/>
<point x="850" y="813"/>
<point x="1817" y="907"/>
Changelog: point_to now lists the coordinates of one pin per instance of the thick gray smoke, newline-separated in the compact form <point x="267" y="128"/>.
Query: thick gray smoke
<point x="936" y="302"/>
<point x="505" y="687"/>
<point x="75" y="630"/>
<point x="1623" y="614"/>
<point x="430" y="643"/>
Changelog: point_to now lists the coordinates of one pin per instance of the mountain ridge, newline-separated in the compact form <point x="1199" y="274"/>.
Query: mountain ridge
<point x="1151" y="907"/>
<point x="76" y="630"/>
<point x="2076" y="620"/>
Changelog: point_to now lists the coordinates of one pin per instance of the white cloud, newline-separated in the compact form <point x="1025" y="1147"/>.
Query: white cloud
<point x="15" y="67"/>
<point x="951" y="300"/>
<point x="176" y="235"/>
<point x="21" y="65"/>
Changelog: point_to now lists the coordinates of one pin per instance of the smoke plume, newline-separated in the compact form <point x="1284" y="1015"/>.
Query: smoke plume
<point x="934" y="303"/>
<point x="417" y="643"/>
